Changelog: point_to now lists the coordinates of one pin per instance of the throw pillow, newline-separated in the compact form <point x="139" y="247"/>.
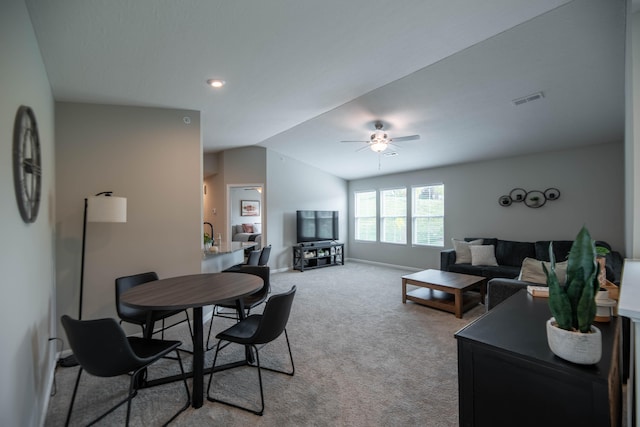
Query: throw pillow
<point x="247" y="228"/>
<point x="463" y="254"/>
<point x="483" y="255"/>
<point x="257" y="227"/>
<point x="532" y="271"/>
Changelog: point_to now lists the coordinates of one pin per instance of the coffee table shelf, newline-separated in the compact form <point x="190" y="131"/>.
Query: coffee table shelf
<point x="451" y="292"/>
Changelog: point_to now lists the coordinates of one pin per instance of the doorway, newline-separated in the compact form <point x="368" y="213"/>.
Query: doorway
<point x="246" y="213"/>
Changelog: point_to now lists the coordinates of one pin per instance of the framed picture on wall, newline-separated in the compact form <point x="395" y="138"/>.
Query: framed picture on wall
<point x="249" y="208"/>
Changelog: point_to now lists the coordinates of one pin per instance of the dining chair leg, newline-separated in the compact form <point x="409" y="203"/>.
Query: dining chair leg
<point x="213" y="367"/>
<point x="293" y="368"/>
<point x="259" y="381"/>
<point x="131" y="390"/>
<point x="213" y="399"/>
<point x="186" y="387"/>
<point x="73" y="397"/>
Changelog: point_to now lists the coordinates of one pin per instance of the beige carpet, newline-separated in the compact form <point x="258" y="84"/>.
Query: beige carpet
<point x="362" y="359"/>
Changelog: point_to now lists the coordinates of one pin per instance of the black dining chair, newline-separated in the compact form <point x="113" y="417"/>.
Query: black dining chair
<point x="252" y="259"/>
<point x="229" y="310"/>
<point x="103" y="350"/>
<point x="264" y="255"/>
<point x="139" y="316"/>
<point x="257" y="330"/>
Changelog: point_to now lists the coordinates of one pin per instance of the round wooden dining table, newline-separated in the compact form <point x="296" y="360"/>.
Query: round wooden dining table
<point x="193" y="291"/>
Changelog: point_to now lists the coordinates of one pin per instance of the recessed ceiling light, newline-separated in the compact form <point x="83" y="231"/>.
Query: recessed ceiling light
<point x="216" y="83"/>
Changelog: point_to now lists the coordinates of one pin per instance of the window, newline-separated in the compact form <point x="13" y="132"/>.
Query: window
<point x="393" y="215"/>
<point x="428" y="215"/>
<point x="366" y="223"/>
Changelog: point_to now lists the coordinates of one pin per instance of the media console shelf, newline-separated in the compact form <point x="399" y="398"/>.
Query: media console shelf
<point x="318" y="254"/>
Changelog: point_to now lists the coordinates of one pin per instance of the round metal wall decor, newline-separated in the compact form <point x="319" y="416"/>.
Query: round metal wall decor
<point x="27" y="164"/>
<point x="505" y="201"/>
<point x="535" y="199"/>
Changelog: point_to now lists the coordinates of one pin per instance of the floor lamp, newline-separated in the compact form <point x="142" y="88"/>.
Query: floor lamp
<point x="102" y="207"/>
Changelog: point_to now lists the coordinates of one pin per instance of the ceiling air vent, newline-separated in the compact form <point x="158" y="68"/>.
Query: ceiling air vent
<point x="528" y="98"/>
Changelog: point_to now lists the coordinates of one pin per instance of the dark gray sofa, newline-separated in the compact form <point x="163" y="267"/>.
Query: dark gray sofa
<point x="509" y="255"/>
<point x="502" y="279"/>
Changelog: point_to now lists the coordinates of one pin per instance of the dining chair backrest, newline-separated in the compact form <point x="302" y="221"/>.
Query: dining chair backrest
<point x="253" y="258"/>
<point x="101" y="346"/>
<point x="274" y="317"/>
<point x="264" y="273"/>
<point x="125" y="283"/>
<point x="264" y="255"/>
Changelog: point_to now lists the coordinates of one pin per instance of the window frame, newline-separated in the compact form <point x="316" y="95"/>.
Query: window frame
<point x="415" y="217"/>
<point x="356" y="236"/>
<point x="383" y="217"/>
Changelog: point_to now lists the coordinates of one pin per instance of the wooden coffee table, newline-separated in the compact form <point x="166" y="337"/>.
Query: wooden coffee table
<point x="444" y="290"/>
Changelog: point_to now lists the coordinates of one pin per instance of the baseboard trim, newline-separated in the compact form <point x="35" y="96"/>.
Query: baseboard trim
<point x="363" y="261"/>
<point x="384" y="264"/>
<point x="51" y="377"/>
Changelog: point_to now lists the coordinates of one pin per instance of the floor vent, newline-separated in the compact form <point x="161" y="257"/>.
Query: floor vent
<point x="528" y="98"/>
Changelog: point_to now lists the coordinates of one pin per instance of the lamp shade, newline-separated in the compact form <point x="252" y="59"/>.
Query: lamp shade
<point x="106" y="209"/>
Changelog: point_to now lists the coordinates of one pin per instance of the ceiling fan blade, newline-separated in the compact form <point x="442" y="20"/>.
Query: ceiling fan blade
<point x="406" y="138"/>
<point x="362" y="148"/>
<point x="354" y="141"/>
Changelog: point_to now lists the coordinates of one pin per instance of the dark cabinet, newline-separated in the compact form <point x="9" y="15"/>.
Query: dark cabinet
<point x="508" y="376"/>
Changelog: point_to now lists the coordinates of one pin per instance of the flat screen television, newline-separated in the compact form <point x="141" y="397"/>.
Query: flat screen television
<point x="317" y="226"/>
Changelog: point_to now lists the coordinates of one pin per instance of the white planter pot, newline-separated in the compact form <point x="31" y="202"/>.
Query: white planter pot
<point x="576" y="347"/>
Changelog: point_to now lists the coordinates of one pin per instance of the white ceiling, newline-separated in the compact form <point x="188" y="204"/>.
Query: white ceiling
<point x="304" y="75"/>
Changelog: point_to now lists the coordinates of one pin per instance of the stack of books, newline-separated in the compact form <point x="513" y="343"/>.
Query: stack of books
<point x="538" y="291"/>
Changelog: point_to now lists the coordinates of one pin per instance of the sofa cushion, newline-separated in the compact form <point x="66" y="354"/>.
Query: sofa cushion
<point x="532" y="271"/>
<point x="483" y="255"/>
<point x="463" y="253"/>
<point x="513" y="253"/>
<point x="465" y="269"/>
<point x="488" y="271"/>
<point x="500" y="271"/>
<point x="485" y="240"/>
<point x="561" y="249"/>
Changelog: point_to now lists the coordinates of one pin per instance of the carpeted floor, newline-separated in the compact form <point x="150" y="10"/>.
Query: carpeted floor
<point x="362" y="358"/>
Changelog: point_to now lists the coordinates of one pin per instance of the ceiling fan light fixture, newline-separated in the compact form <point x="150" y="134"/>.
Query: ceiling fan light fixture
<point x="378" y="146"/>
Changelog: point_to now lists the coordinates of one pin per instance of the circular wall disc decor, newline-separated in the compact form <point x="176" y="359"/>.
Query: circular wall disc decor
<point x="552" y="193"/>
<point x="518" y="194"/>
<point x="504" y="201"/>
<point x="535" y="199"/>
<point x="27" y="164"/>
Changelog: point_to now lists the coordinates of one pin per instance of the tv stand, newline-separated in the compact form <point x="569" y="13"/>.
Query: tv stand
<point x="311" y="255"/>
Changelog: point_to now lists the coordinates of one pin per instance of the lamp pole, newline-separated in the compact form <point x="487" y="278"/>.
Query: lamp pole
<point x="116" y="216"/>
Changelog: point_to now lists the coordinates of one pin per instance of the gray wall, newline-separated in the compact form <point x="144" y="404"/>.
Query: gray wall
<point x="292" y="186"/>
<point x="151" y="157"/>
<point x="591" y="182"/>
<point x="27" y="251"/>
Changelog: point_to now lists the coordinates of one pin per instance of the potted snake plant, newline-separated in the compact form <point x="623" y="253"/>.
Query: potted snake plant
<point x="570" y="332"/>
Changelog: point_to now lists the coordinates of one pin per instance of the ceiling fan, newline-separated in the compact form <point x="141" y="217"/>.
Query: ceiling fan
<point x="380" y="141"/>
